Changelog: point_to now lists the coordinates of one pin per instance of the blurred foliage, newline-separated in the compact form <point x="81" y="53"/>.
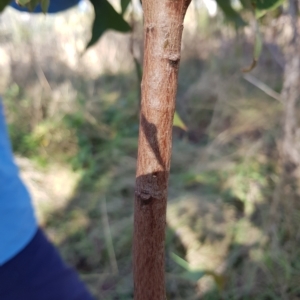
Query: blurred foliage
<point x="105" y="16"/>
<point x="231" y="219"/>
<point x="260" y="7"/>
<point x="3" y="4"/>
<point x="230" y="13"/>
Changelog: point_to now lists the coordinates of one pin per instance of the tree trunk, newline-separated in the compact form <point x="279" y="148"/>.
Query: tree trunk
<point x="290" y="95"/>
<point x="163" y="25"/>
<point x="284" y="204"/>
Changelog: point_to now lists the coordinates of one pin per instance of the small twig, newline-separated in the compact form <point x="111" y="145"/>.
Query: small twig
<point x="263" y="87"/>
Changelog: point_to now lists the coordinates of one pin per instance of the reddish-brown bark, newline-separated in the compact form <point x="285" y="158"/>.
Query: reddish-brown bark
<point x="163" y="25"/>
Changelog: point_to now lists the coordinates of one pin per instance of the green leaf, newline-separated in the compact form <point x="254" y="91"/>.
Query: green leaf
<point x="124" y="5"/>
<point x="230" y="13"/>
<point x="45" y="5"/>
<point x="105" y="18"/>
<point x="177" y="121"/>
<point x="261" y="10"/>
<point x="267" y="4"/>
<point x="3" y="4"/>
<point x="31" y="5"/>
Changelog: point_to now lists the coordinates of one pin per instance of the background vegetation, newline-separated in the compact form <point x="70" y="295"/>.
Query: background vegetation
<point x="73" y="122"/>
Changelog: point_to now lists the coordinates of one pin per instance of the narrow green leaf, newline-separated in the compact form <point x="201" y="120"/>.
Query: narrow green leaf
<point x="177" y="121"/>
<point x="105" y="18"/>
<point x="3" y="4"/>
<point x="197" y="274"/>
<point x="194" y="275"/>
<point x="45" y="5"/>
<point x="124" y="5"/>
<point x="230" y="13"/>
<point x="181" y="262"/>
<point x="258" y="45"/>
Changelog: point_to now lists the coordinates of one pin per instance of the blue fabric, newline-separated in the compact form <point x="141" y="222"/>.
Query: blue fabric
<point x="54" y="7"/>
<point x="17" y="221"/>
<point x="38" y="273"/>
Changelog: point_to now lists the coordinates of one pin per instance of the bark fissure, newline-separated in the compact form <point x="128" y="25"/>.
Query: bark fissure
<point x="163" y="28"/>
